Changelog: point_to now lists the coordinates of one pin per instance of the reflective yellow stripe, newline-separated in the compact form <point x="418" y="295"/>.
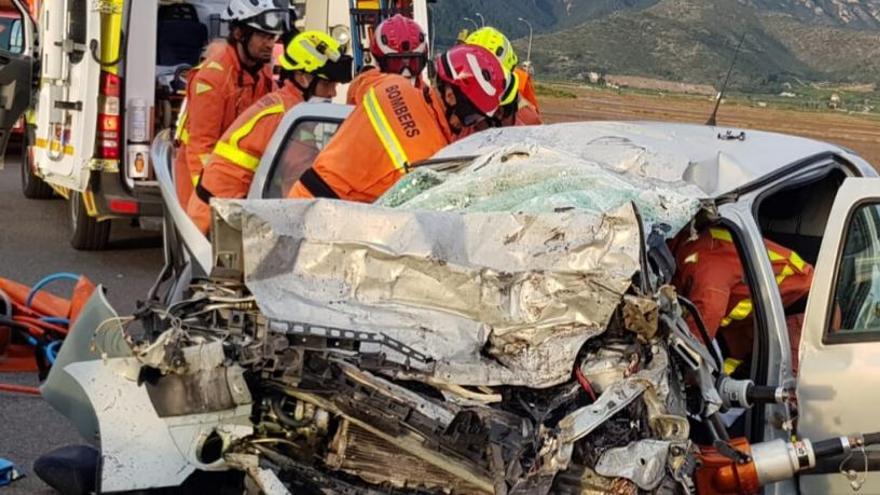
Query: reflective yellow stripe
<point x="741" y="311"/>
<point x="721" y="234"/>
<point x="730" y="365"/>
<point x="181" y="134"/>
<point x="195" y="179"/>
<point x="383" y="130"/>
<point x="236" y="156"/>
<point x="214" y="65"/>
<point x="246" y="129"/>
<point x="692" y="258"/>
<point x="796" y="260"/>
<point x="55" y="146"/>
<point x="89" y="202"/>
<point x="786" y="272"/>
<point x="774" y="256"/>
<point x="231" y="151"/>
<point x="205" y="158"/>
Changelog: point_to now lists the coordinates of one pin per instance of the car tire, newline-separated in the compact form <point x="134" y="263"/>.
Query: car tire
<point x="32" y="186"/>
<point x="87" y="233"/>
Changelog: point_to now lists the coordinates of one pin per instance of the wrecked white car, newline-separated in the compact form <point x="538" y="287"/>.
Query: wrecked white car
<point x="502" y="321"/>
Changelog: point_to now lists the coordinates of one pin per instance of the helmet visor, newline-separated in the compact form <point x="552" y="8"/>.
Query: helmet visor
<point x="271" y="21"/>
<point x="399" y="63"/>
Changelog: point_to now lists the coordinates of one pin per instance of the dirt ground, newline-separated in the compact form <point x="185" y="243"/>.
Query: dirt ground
<point x="859" y="133"/>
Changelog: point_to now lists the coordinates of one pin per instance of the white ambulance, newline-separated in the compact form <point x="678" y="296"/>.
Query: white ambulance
<point x="111" y="75"/>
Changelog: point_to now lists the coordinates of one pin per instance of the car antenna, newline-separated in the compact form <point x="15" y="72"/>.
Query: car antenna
<point x="713" y="118"/>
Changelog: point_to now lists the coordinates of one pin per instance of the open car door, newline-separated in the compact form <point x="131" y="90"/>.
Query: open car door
<point x="17" y="44"/>
<point x="303" y="132"/>
<point x="840" y="348"/>
<point x="299" y="138"/>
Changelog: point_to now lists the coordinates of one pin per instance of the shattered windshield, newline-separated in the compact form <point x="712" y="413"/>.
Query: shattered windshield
<point x="533" y="179"/>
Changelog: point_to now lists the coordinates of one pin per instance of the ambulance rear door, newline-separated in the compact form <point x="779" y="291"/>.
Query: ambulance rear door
<point x="70" y="89"/>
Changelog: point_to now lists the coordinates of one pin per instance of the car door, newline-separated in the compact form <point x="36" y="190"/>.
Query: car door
<point x="17" y="31"/>
<point x="185" y="246"/>
<point x="302" y="134"/>
<point x="839" y="374"/>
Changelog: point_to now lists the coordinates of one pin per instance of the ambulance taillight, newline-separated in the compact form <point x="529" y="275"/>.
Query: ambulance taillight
<point x="109" y="135"/>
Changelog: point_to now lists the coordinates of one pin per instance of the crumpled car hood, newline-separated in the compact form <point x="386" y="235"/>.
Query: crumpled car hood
<point x="498" y="273"/>
<point x="493" y="298"/>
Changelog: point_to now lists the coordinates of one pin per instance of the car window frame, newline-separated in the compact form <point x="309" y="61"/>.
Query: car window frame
<point x="282" y="147"/>
<point x="330" y="112"/>
<point x="842" y="338"/>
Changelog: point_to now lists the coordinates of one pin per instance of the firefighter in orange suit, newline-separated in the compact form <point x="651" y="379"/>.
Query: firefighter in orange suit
<point x="399" y="46"/>
<point x="226" y="83"/>
<point x="525" y="103"/>
<point x="527" y="88"/>
<point x="397" y="125"/>
<point x="312" y="66"/>
<point x="711" y="275"/>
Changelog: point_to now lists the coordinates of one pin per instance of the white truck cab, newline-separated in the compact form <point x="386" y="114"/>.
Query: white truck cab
<point x="111" y="76"/>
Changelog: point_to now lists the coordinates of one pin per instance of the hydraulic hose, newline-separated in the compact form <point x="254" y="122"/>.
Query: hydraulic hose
<point x="701" y="326"/>
<point x="52" y="351"/>
<point x="46" y="281"/>
<point x="842" y="445"/>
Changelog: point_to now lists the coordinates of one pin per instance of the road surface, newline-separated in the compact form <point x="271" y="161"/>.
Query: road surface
<point x="33" y="243"/>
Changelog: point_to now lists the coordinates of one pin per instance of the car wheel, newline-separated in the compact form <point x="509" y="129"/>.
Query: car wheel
<point x="87" y="233"/>
<point x="32" y="186"/>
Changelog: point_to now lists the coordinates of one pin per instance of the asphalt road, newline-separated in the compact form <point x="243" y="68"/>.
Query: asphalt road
<point x="33" y="243"/>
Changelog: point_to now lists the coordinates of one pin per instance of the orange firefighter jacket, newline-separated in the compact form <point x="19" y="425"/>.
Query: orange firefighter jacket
<point x="230" y="168"/>
<point x="218" y="91"/>
<point x="394" y="126"/>
<point x="527" y="89"/>
<point x="711" y="275"/>
<point x="362" y="82"/>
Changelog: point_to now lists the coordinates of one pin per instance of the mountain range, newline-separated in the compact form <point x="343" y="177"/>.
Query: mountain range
<point x="785" y="41"/>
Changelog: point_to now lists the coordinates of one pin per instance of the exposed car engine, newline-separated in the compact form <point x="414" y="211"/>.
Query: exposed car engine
<point x="328" y="410"/>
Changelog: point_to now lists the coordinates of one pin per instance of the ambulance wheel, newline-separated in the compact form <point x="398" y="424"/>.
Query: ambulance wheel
<point x="32" y="186"/>
<point x="87" y="233"/>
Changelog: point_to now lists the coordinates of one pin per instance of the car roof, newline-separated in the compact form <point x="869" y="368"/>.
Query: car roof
<point x="715" y="159"/>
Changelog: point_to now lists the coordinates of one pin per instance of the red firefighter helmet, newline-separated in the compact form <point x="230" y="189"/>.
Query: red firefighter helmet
<point x="475" y="74"/>
<point x="400" y="45"/>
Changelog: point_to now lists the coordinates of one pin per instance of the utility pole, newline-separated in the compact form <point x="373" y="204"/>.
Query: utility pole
<point x="433" y="31"/>
<point x="529" y="50"/>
